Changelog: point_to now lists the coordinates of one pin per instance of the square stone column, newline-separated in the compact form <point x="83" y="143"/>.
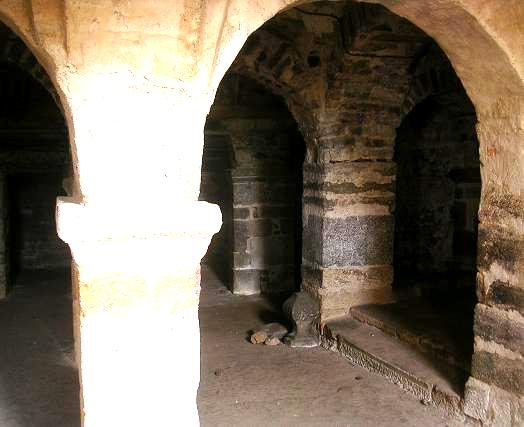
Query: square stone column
<point x="263" y="230"/>
<point x="348" y="234"/>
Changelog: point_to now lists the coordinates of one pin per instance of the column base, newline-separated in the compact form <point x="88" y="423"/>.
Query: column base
<point x="339" y="289"/>
<point x="303" y="312"/>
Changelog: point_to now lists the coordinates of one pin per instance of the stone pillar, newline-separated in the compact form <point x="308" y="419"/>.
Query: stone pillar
<point x="248" y="234"/>
<point x="263" y="224"/>
<point x="349" y="185"/>
<point x="4" y="244"/>
<point x="348" y="234"/>
<point x="495" y="391"/>
<point x="264" y="206"/>
<point x="137" y="235"/>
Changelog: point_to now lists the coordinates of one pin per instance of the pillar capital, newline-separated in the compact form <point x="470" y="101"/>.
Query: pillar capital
<point x="135" y="237"/>
<point x="86" y="223"/>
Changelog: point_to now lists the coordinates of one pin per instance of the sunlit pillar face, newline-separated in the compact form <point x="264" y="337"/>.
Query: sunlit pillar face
<point x="137" y="240"/>
<point x="136" y="140"/>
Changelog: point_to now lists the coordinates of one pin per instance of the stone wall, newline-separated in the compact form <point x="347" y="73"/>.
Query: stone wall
<point x="252" y="169"/>
<point x="349" y="75"/>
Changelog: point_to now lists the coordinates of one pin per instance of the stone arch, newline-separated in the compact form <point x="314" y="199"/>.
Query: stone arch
<point x="251" y="168"/>
<point x="274" y="63"/>
<point x="36" y="54"/>
<point x="430" y="77"/>
<point x="467" y="31"/>
<point x="302" y="73"/>
<point x="452" y="24"/>
<point x="42" y="170"/>
<point x="14" y="51"/>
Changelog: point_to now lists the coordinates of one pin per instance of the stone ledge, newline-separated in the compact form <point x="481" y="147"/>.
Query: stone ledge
<point x="414" y="372"/>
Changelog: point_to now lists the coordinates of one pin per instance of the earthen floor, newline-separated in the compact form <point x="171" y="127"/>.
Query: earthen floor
<point x="38" y="377"/>
<point x="256" y="385"/>
<point x="241" y="384"/>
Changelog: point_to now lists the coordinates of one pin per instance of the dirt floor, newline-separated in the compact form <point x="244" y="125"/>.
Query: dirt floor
<point x="256" y="385"/>
<point x="38" y="376"/>
<point x="241" y="384"/>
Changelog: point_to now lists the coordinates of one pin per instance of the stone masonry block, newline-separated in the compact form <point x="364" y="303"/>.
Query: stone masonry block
<point x="476" y="399"/>
<point x="246" y="282"/>
<point x="312" y="243"/>
<point x="498" y="370"/>
<point x="241" y="260"/>
<point x="243" y="193"/>
<point x="357" y="241"/>
<point x="267" y="251"/>
<point x="260" y="228"/>
<point x="499" y="326"/>
<point x="496" y="245"/>
<point x="503" y="295"/>
<point x="240" y="235"/>
<point x="241" y="213"/>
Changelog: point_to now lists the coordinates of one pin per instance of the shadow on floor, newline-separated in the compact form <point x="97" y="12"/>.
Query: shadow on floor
<point x="242" y="384"/>
<point x="38" y="378"/>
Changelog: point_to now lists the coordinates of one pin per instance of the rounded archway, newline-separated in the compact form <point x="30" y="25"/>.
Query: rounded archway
<point x="35" y="283"/>
<point x="287" y="61"/>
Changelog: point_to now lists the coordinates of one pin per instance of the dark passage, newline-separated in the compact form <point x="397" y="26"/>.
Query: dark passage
<point x="252" y="168"/>
<point x="435" y="246"/>
<point x="38" y="374"/>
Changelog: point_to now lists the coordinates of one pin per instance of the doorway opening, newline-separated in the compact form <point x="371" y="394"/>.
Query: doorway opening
<point x="437" y="198"/>
<point x="252" y="168"/>
<point x="390" y="195"/>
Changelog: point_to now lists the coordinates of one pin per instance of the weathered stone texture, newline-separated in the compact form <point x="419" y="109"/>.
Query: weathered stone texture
<point x="506" y="373"/>
<point x="338" y="289"/>
<point x="492" y="405"/>
<point x="438" y="183"/>
<point x="506" y="329"/>
<point x="497" y="244"/>
<point x="262" y="188"/>
<point x="504" y="295"/>
<point x="358" y="241"/>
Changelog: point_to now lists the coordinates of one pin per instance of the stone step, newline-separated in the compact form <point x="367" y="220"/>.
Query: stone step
<point x="445" y="335"/>
<point x="429" y="379"/>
